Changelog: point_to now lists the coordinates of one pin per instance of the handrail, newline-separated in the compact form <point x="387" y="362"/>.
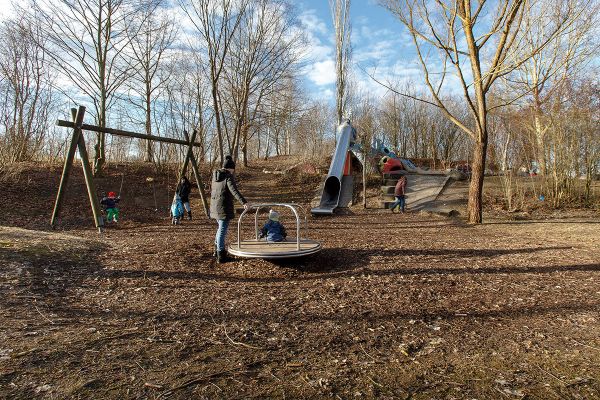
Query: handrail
<point x="263" y="205"/>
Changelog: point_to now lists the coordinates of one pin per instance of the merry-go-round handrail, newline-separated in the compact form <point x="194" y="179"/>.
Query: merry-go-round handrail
<point x="259" y="207"/>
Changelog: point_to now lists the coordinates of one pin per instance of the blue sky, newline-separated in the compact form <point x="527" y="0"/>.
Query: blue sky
<point x="380" y="45"/>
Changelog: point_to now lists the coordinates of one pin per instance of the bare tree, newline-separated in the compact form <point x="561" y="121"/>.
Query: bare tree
<point x="340" y="12"/>
<point x="149" y="44"/>
<point x="87" y="44"/>
<point x="187" y="100"/>
<point x="481" y="41"/>
<point x="312" y="128"/>
<point x="557" y="58"/>
<point x="216" y="22"/>
<point x="264" y="52"/>
<point x="26" y="95"/>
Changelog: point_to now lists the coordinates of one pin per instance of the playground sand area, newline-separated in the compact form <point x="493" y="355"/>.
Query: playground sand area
<point x="395" y="306"/>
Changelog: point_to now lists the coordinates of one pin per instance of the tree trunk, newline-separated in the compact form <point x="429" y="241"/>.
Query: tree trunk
<point x="244" y="146"/>
<point x="148" y="154"/>
<point x="505" y="150"/>
<point x="475" y="205"/>
<point x="539" y="143"/>
<point x="99" y="148"/>
<point x="217" y="120"/>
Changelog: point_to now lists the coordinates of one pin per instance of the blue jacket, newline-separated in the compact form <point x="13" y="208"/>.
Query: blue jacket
<point x="274" y="231"/>
<point x="177" y="209"/>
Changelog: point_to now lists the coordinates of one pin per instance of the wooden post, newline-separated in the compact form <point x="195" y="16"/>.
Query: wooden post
<point x="77" y="120"/>
<point x="188" y="153"/>
<point x="196" y="171"/>
<point x="89" y="179"/>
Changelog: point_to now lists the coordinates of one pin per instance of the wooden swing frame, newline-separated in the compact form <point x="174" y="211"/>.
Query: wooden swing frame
<point x="78" y="143"/>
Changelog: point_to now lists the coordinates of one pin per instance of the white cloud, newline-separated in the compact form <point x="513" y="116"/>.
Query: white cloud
<point x="317" y="51"/>
<point x="6" y="9"/>
<point x="325" y="95"/>
<point x="322" y="73"/>
<point x="379" y="51"/>
<point x="313" y="24"/>
<point x="361" y="20"/>
<point x="314" y="29"/>
<point x="320" y="68"/>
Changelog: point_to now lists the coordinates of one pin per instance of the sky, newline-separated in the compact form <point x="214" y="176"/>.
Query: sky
<point x="380" y="45"/>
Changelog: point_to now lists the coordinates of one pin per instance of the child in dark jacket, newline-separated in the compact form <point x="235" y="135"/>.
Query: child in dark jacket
<point x="110" y="205"/>
<point x="273" y="230"/>
<point x="183" y="191"/>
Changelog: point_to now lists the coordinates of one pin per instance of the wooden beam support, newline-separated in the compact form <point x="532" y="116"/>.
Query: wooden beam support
<point x="89" y="183"/>
<point x="196" y="171"/>
<point x="76" y="125"/>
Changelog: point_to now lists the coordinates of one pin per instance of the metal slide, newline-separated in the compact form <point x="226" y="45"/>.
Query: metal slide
<point x="330" y="197"/>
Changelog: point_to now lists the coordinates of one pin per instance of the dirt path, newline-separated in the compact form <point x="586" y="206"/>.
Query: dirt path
<point x="395" y="306"/>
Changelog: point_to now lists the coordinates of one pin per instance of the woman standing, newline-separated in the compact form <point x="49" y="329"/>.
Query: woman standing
<point x="223" y="191"/>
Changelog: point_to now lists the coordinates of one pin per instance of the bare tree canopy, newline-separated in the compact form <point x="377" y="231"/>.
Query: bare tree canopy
<point x="25" y="89"/>
<point x="87" y="42"/>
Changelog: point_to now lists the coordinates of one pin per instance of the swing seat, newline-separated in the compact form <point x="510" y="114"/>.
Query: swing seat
<point x="260" y="248"/>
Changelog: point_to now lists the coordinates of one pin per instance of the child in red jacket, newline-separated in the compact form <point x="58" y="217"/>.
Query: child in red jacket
<point x="399" y="194"/>
<point x="110" y="204"/>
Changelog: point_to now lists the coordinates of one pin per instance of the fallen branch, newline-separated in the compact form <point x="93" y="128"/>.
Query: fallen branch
<point x="197" y="380"/>
<point x="43" y="316"/>
<point x="551" y="374"/>
<point x="122" y="335"/>
<point x="239" y="343"/>
<point x="363" y="349"/>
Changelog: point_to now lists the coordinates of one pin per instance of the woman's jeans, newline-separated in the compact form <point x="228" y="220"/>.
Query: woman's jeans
<point x="221" y="233"/>
<point x="399" y="202"/>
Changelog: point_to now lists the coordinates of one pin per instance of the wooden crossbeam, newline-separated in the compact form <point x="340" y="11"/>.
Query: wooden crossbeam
<point x="119" y="132"/>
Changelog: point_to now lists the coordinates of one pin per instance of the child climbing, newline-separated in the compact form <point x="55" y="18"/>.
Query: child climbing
<point x="273" y="230"/>
<point x="110" y="205"/>
<point x="184" y="187"/>
<point x="399" y="194"/>
<point x="176" y="210"/>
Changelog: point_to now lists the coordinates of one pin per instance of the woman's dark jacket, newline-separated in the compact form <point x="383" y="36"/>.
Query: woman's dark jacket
<point x="222" y="194"/>
<point x="183" y="190"/>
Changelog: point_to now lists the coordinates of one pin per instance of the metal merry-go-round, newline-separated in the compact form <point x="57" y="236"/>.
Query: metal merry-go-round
<point x="260" y="248"/>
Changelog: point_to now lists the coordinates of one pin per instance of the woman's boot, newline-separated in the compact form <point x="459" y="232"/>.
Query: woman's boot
<point x="222" y="257"/>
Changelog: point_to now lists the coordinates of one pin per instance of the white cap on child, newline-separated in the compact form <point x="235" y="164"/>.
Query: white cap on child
<point x="273" y="215"/>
